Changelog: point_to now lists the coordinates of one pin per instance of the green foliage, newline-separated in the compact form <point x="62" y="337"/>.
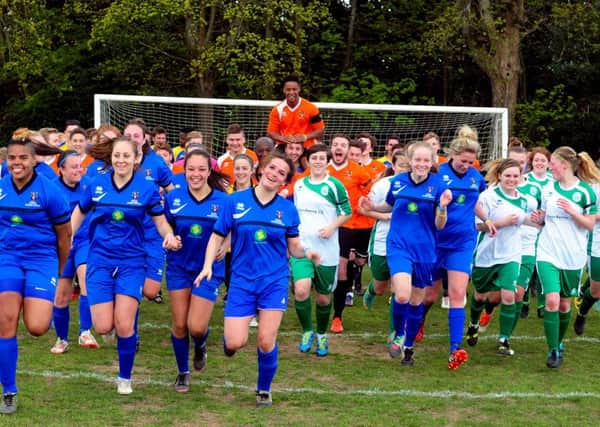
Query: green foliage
<point x="537" y="119"/>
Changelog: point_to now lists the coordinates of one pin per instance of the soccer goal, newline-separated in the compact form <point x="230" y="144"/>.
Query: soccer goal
<point x="211" y="116"/>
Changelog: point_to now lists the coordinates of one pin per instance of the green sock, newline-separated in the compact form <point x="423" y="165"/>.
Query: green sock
<point x="507" y="320"/>
<point x="551" y="326"/>
<point x="323" y="312"/>
<point x="391" y="316"/>
<point x="303" y="310"/>
<point x="518" y="307"/>
<point x="476" y="309"/>
<point x="587" y="302"/>
<point x="563" y="319"/>
<point x="371" y="288"/>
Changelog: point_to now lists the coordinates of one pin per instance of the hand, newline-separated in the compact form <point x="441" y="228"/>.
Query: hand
<point x="171" y="242"/>
<point x="445" y="198"/>
<point x="566" y="206"/>
<point x="492" y="230"/>
<point x="315" y="257"/>
<point x="537" y="216"/>
<point x="206" y="273"/>
<point x="221" y="251"/>
<point x="326" y="232"/>
<point x="365" y="204"/>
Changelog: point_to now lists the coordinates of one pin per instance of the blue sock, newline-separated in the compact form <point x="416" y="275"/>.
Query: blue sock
<point x="85" y="315"/>
<point x="200" y="341"/>
<point x="413" y="323"/>
<point x="181" y="348"/>
<point x="400" y="312"/>
<point x="9" y="354"/>
<point x="60" y="317"/>
<point x="456" y="322"/>
<point x="126" y="352"/>
<point x="267" y="366"/>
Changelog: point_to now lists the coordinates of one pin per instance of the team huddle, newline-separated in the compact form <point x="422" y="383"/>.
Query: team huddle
<point x="121" y="212"/>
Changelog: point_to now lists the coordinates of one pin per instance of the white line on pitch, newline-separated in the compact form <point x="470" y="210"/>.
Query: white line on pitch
<point x="362" y="392"/>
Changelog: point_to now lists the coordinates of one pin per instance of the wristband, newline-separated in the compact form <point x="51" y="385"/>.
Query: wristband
<point x="305" y="251"/>
<point x="487" y="221"/>
<point x="442" y="210"/>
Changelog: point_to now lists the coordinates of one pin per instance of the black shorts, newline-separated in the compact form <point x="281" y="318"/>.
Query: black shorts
<point x="356" y="239"/>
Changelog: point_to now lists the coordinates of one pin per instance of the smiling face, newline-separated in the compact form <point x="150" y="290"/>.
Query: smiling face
<point x="21" y="161"/>
<point x="558" y="167"/>
<point x="355" y="154"/>
<point x="339" y="150"/>
<point x="294" y="151"/>
<point x="242" y="172"/>
<point x="136" y="134"/>
<point x="291" y="90"/>
<point x="197" y="170"/>
<point x="274" y="174"/>
<point x="539" y="164"/>
<point x="77" y="142"/>
<point x="124" y="157"/>
<point x="509" y="179"/>
<point x="318" y="162"/>
<point x="421" y="161"/>
<point x="71" y="169"/>
<point x="463" y="161"/>
<point x="235" y="143"/>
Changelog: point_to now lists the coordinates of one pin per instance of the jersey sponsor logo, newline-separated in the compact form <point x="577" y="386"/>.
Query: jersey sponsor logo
<point x="98" y="198"/>
<point x="460" y="199"/>
<point x="412" y="207"/>
<point x="196" y="230"/>
<point x="260" y="235"/>
<point x="241" y="214"/>
<point x="175" y="211"/>
<point x="118" y="215"/>
<point x="16" y="220"/>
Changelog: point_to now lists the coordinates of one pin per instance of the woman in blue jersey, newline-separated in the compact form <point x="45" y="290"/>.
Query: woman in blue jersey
<point x="72" y="185"/>
<point x="568" y="211"/>
<point x="118" y="203"/>
<point x="35" y="238"/>
<point x="455" y="243"/>
<point x="264" y="228"/>
<point x="192" y="212"/>
<point x="418" y="200"/>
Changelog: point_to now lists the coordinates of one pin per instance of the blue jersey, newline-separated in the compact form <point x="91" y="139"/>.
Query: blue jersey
<point x="258" y="237"/>
<point x="193" y="220"/>
<point x="117" y="217"/>
<point x="412" y="227"/>
<point x="459" y="232"/>
<point x="45" y="170"/>
<point x="154" y="169"/>
<point x="96" y="167"/>
<point x="179" y="180"/>
<point x="28" y="217"/>
<point x="73" y="195"/>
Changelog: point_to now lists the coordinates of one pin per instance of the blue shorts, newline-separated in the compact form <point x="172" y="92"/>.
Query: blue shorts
<point x="32" y="278"/>
<point x="77" y="256"/>
<point x="243" y="302"/>
<point x="154" y="261"/>
<point x="421" y="272"/>
<point x="104" y="282"/>
<point x="453" y="260"/>
<point x="178" y="279"/>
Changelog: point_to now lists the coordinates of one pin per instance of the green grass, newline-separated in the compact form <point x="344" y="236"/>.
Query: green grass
<point x="358" y="384"/>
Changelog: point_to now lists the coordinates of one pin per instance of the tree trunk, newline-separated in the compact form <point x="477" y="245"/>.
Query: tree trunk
<point x="350" y="37"/>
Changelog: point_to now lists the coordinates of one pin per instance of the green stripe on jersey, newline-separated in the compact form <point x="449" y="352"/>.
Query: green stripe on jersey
<point x="519" y="201"/>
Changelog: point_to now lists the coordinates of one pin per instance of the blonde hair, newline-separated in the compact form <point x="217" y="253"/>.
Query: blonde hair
<point x="464" y="145"/>
<point x="581" y="163"/>
<point x="410" y="151"/>
<point x="468" y="132"/>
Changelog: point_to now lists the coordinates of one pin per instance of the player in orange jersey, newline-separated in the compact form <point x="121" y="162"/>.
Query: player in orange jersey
<point x="235" y="145"/>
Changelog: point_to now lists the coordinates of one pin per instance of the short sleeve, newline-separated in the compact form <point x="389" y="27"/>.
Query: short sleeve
<point x="225" y="221"/>
<point x="58" y="206"/>
<point x="154" y="206"/>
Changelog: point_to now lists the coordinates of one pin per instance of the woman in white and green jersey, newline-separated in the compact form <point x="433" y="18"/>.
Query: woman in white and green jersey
<point x="568" y="212"/>
<point x="377" y="243"/>
<point x="539" y="159"/>
<point x="497" y="259"/>
<point x="532" y="192"/>
<point x="323" y="206"/>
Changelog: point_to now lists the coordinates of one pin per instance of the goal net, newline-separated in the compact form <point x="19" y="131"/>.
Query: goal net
<point x="212" y="116"/>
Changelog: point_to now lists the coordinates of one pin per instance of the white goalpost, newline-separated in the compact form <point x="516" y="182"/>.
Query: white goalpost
<point x="211" y="116"/>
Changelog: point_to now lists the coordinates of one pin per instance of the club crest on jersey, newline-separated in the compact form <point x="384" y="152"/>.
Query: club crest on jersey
<point x="533" y="191"/>
<point x="324" y="191"/>
<point x="135" y="196"/>
<point x="278" y="218"/>
<point x="33" y="200"/>
<point x="348" y="173"/>
<point x="301" y="114"/>
<point x="577" y="197"/>
<point x="429" y="193"/>
<point x="474" y="183"/>
<point x="148" y="173"/>
<point x="214" y="211"/>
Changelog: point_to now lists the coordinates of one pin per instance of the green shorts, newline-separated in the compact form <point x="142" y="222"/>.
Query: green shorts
<point x="379" y="267"/>
<point x="594" y="268"/>
<point x="501" y="276"/>
<point x="324" y="278"/>
<point x="566" y="282"/>
<point x="526" y="271"/>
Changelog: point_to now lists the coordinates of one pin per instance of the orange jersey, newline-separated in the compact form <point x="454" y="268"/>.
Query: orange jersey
<point x="85" y="163"/>
<point x="442" y="159"/>
<point x="288" y="189"/>
<point x="303" y="119"/>
<point x="374" y="168"/>
<point x="357" y="181"/>
<point x="225" y="162"/>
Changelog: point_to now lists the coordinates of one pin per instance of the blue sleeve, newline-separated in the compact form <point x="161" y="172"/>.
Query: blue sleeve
<point x="292" y="228"/>
<point x="482" y="184"/>
<point x="85" y="202"/>
<point x="225" y="221"/>
<point x="57" y="205"/>
<point x="154" y="206"/>
<point x="164" y="174"/>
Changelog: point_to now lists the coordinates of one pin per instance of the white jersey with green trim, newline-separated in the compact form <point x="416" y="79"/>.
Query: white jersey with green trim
<point x="319" y="204"/>
<point x="505" y="247"/>
<point x="377" y="242"/>
<point x="548" y="179"/>
<point x="533" y="193"/>
<point x="594" y="237"/>
<point x="562" y="242"/>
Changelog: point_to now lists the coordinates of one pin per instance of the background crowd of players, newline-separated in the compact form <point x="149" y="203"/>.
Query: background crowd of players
<point x="124" y="210"/>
